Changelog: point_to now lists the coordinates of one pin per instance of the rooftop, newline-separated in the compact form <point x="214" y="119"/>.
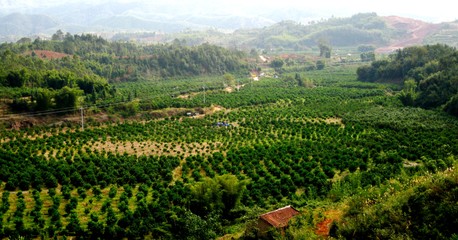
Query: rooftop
<point x="280" y="217"/>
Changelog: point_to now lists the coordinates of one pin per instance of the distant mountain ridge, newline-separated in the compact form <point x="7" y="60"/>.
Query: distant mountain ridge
<point x="386" y="33"/>
<point x="79" y="17"/>
<point x="26" y="24"/>
<point x="260" y="29"/>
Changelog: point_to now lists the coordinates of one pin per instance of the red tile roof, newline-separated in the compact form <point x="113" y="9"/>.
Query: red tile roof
<point x="280" y="217"/>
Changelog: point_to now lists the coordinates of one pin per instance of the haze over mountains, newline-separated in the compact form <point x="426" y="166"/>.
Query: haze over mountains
<point x="160" y="16"/>
<point x="263" y="25"/>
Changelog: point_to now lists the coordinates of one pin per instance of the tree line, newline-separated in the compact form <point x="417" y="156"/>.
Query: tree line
<point x="428" y="75"/>
<point x="37" y="83"/>
<point x="127" y="61"/>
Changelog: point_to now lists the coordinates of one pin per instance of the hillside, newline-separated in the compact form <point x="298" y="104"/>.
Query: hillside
<point x="26" y="24"/>
<point x="243" y="30"/>
<point x="117" y="16"/>
<point x="386" y="33"/>
<point x="424" y="209"/>
<point x="114" y="140"/>
<point x="428" y="74"/>
<point x="413" y="32"/>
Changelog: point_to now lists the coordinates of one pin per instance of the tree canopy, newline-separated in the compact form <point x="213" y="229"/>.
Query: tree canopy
<point x="41" y="69"/>
<point x="427" y="72"/>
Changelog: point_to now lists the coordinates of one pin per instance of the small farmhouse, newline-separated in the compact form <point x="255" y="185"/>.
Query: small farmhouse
<point x="276" y="219"/>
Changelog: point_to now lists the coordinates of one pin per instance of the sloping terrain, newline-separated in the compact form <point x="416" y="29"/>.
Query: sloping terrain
<point x="25" y="24"/>
<point x="386" y="34"/>
<point x="134" y="22"/>
<point x="413" y="32"/>
<point x="447" y="34"/>
<point x="45" y="54"/>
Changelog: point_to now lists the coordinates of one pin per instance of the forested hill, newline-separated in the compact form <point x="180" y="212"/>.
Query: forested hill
<point x="428" y="74"/>
<point x="124" y="61"/>
<point x="71" y="65"/>
<point x="358" y="29"/>
<point x="385" y="33"/>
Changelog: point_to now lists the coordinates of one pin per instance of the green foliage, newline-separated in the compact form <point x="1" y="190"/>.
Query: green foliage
<point x="194" y="227"/>
<point x="277" y="63"/>
<point x="320" y="64"/>
<point x="67" y="98"/>
<point x="95" y="62"/>
<point x="423" y="211"/>
<point x="325" y="49"/>
<point x="191" y="178"/>
<point x="301" y="227"/>
<point x="229" y="79"/>
<point x="17" y="78"/>
<point x="452" y="105"/>
<point x="129" y="109"/>
<point x="361" y="29"/>
<point x="409" y="94"/>
<point x="412" y="62"/>
<point x="43" y="99"/>
<point x="217" y="195"/>
<point x="432" y="68"/>
<point x="113" y="191"/>
<point x="367" y="56"/>
<point x="73" y="227"/>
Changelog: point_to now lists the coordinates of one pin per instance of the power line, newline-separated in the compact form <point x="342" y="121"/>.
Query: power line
<point x="60" y="110"/>
<point x="82" y="118"/>
<point x="75" y="109"/>
<point x="68" y="109"/>
<point x="65" y="110"/>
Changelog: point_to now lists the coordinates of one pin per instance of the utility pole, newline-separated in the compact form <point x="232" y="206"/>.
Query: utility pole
<point x="82" y="118"/>
<point x="204" y="92"/>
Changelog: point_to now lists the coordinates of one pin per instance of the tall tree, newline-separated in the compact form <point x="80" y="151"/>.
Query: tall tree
<point x="325" y="49"/>
<point x="43" y="99"/>
<point x="17" y="78"/>
<point x="217" y="195"/>
<point x="67" y="97"/>
<point x="229" y="79"/>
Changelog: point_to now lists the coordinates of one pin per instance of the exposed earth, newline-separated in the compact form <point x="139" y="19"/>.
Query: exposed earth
<point x="416" y="31"/>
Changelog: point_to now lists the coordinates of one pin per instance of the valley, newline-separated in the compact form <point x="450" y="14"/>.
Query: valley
<point x="350" y="124"/>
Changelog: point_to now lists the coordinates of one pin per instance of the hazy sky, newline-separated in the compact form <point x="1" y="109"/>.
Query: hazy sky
<point x="432" y="11"/>
<point x="436" y="11"/>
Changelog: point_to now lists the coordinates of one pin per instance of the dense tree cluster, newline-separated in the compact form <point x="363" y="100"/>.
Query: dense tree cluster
<point x="423" y="211"/>
<point x="35" y="82"/>
<point x="363" y="28"/>
<point x="428" y="73"/>
<point x="40" y="84"/>
<point x="126" y="61"/>
<point x="177" y="60"/>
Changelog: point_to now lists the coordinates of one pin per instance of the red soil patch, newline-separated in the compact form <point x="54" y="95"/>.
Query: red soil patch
<point x="415" y="32"/>
<point x="45" y="54"/>
<point x="322" y="228"/>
